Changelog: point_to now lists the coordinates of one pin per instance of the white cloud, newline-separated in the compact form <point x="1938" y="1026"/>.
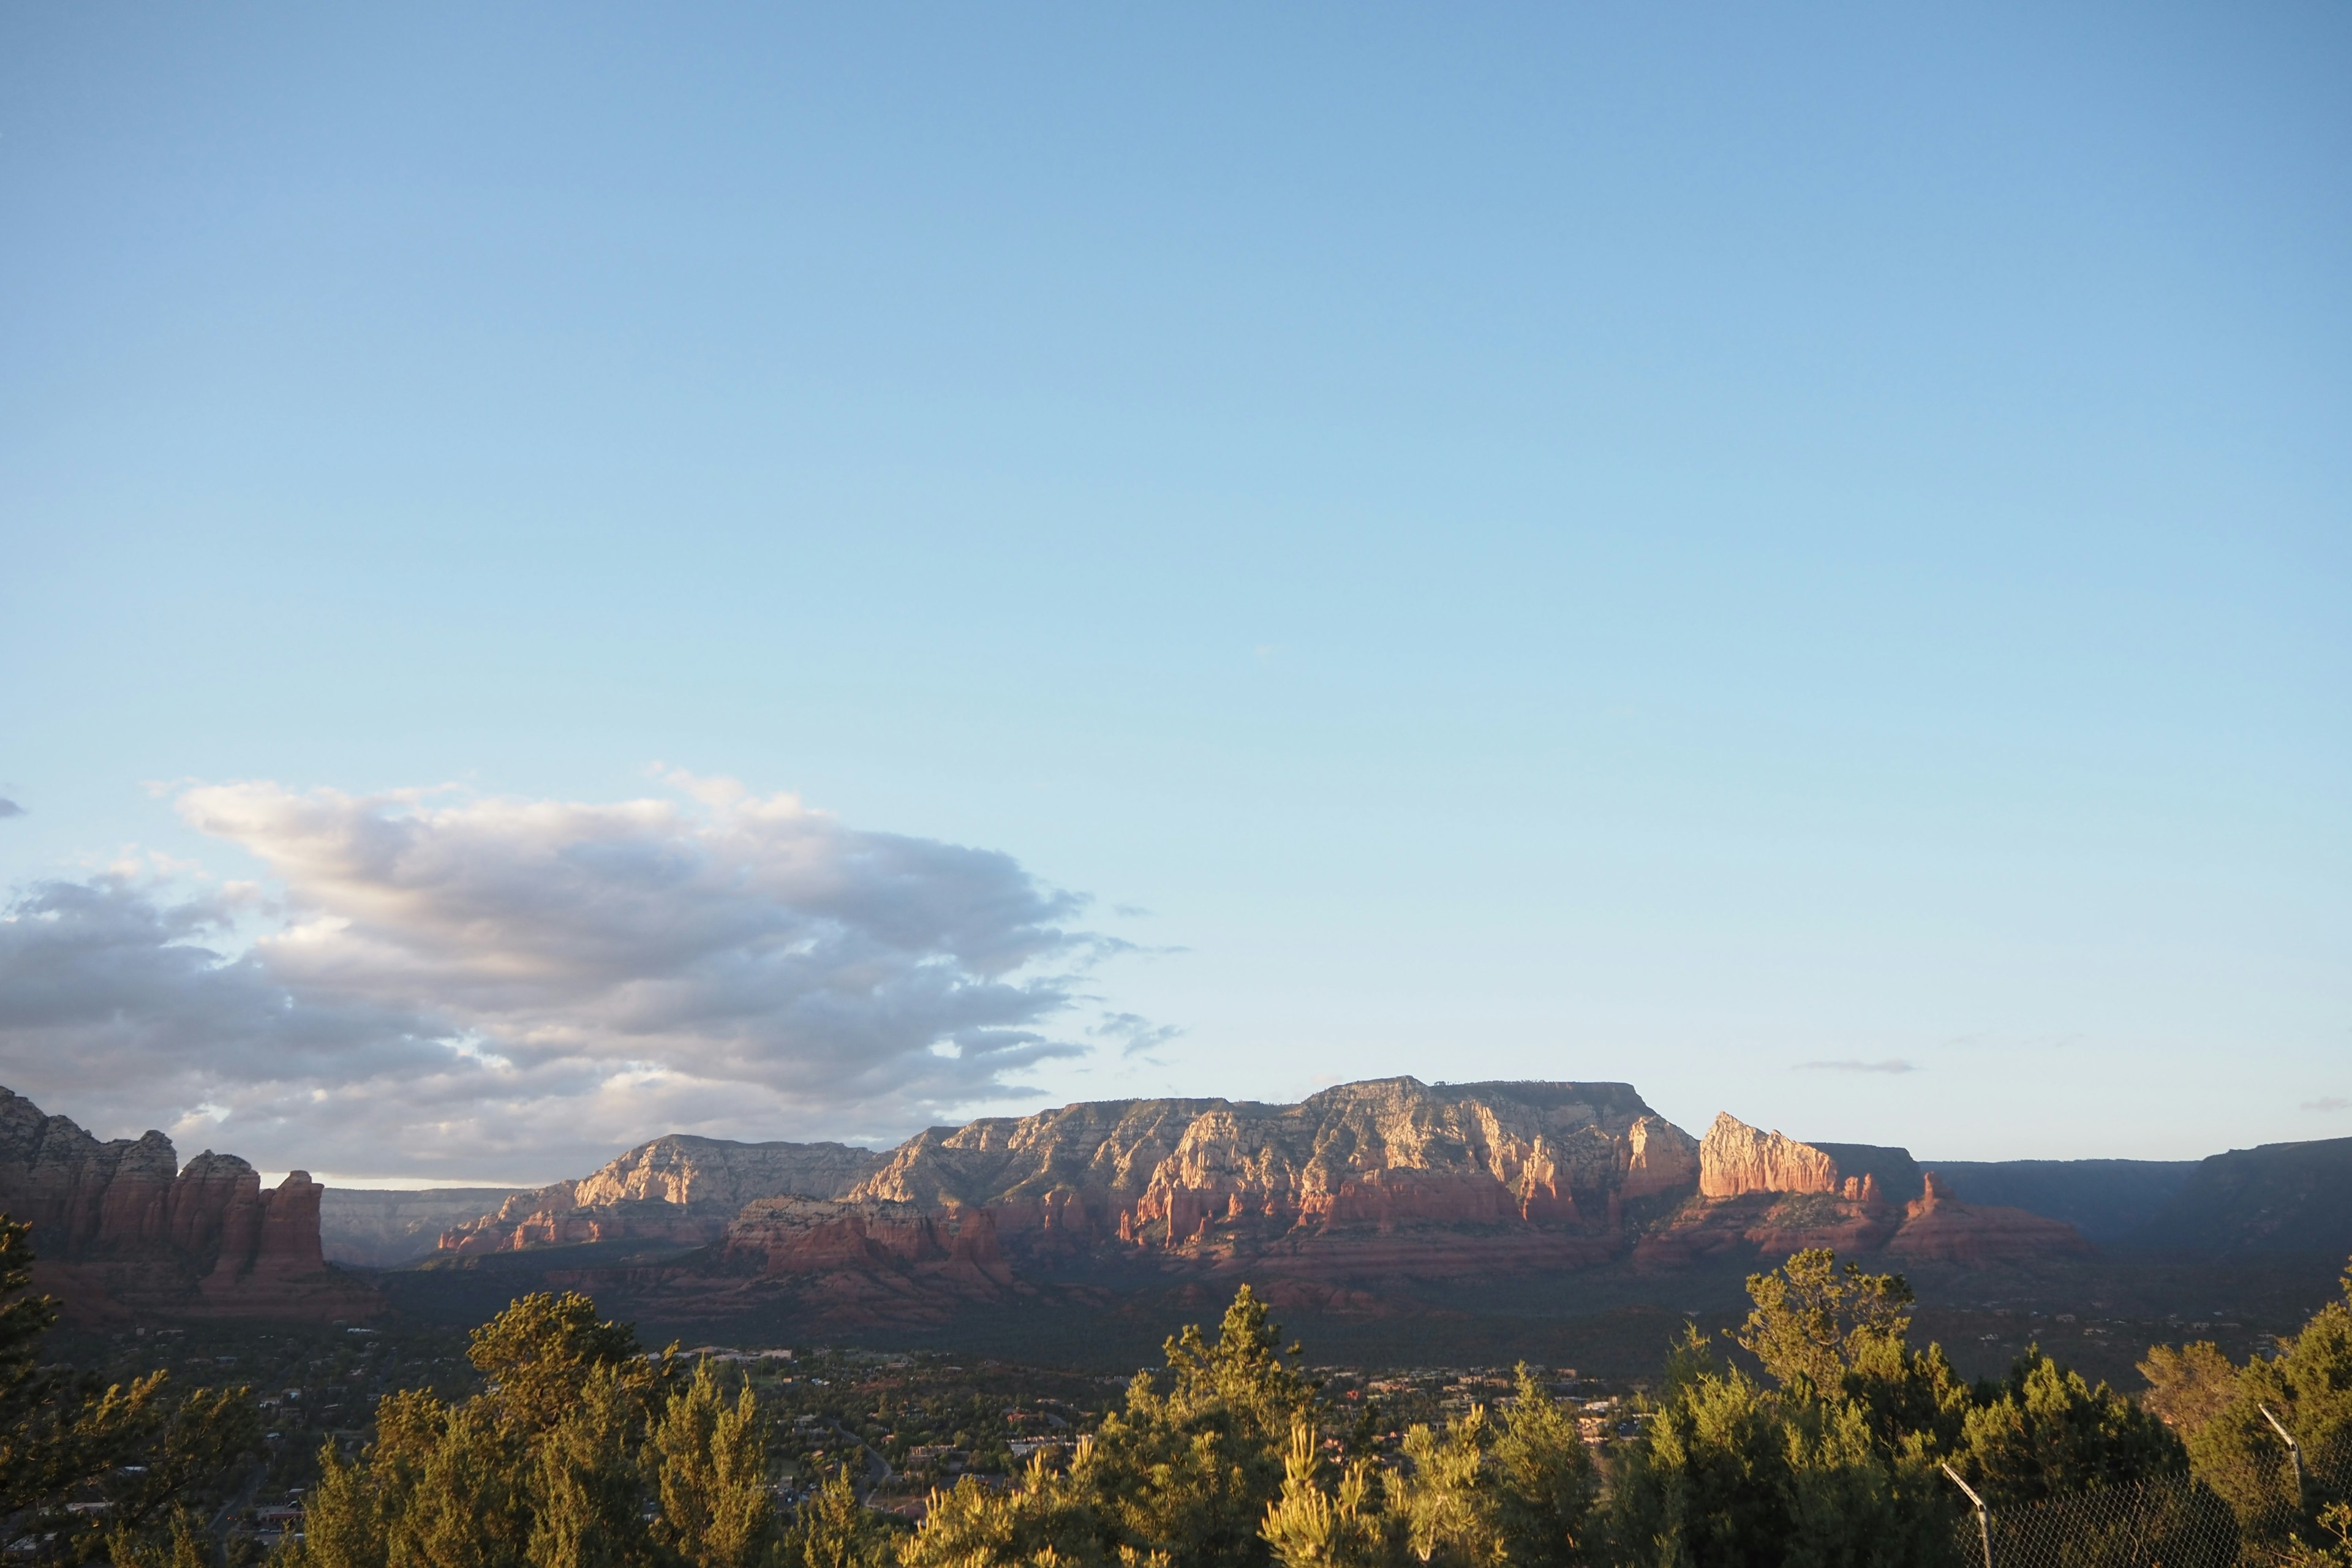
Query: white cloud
<point x="1891" y="1065"/>
<point x="509" y="988"/>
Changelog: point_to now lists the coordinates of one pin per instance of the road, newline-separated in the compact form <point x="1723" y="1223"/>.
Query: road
<point x="877" y="1468"/>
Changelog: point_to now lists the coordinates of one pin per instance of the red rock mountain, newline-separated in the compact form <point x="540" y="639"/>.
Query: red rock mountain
<point x="121" y="1226"/>
<point x="1327" y="1202"/>
<point x="1365" y="1183"/>
<point x="677" y="1189"/>
<point x="1331" y="1202"/>
<point x="1938" y="1225"/>
<point x="1766" y="1193"/>
<point x="1542" y="1170"/>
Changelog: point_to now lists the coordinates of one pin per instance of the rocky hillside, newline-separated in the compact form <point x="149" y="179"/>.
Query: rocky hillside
<point x="121" y="1226"/>
<point x="2107" y="1199"/>
<point x="1337" y="1199"/>
<point x="2276" y="1199"/>
<point x="383" y="1228"/>
<point x="1314" y="1181"/>
<point x="675" y="1190"/>
<point x="1766" y="1194"/>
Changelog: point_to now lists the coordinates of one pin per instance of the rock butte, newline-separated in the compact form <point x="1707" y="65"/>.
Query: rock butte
<point x="121" y="1228"/>
<point x="1386" y="1179"/>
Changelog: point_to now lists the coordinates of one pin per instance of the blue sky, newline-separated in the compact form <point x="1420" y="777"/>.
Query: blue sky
<point x="1796" y="558"/>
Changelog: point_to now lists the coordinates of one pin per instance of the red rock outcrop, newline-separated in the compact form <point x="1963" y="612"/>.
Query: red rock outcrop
<point x="1330" y="1203"/>
<point x="852" y="1262"/>
<point x="1765" y="1193"/>
<point x="1506" y="1176"/>
<point x="1937" y="1225"/>
<point x="1736" y="1159"/>
<point x="675" y="1190"/>
<point x="118" y="1226"/>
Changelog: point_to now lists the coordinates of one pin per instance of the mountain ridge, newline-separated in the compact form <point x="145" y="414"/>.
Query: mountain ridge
<point x="1383" y="1179"/>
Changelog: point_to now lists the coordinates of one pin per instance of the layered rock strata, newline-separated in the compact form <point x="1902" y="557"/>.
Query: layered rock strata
<point x="1766" y="1195"/>
<point x="867" y="1260"/>
<point x="673" y="1191"/>
<point x="1937" y="1225"/>
<point x="1520" y="1174"/>
<point x="1331" y="1203"/>
<point x="120" y="1226"/>
<point x="1736" y="1160"/>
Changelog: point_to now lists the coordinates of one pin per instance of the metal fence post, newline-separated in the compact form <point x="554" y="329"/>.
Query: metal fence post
<point x="1984" y="1516"/>
<point x="2294" y="1450"/>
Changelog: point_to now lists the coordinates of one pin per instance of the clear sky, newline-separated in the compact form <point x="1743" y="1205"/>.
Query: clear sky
<point x="1800" y="557"/>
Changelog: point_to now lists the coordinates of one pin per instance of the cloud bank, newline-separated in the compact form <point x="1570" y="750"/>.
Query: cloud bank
<point x="503" y="988"/>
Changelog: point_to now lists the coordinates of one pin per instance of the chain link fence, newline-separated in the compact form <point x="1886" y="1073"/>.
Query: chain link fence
<point x="2170" y="1522"/>
<point x="2173" y="1521"/>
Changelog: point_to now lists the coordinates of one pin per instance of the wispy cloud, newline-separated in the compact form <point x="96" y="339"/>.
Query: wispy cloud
<point x="1137" y="1035"/>
<point x="1892" y="1064"/>
<point x="9" y="807"/>
<point x="505" y="987"/>
<point x="2328" y="1103"/>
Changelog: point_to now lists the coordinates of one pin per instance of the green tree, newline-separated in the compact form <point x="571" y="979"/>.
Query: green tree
<point x="539" y="1354"/>
<point x="185" y="1545"/>
<point x="1707" y="1484"/>
<point x="1812" y="1324"/>
<point x="2335" y="1520"/>
<point x="1189" y="1473"/>
<point x="712" y="1458"/>
<point x="1832" y="1465"/>
<point x="2187" y="1385"/>
<point x="146" y="1453"/>
<point x="587" y="1484"/>
<point x="2045" y="1431"/>
<point x="1546" y="1477"/>
<point x="546" y="1468"/>
<point x="833" y="1530"/>
<point x="2307" y="1387"/>
<point x="1445" y="1510"/>
<point x="457" y="1498"/>
<point x="1310" y="1527"/>
<point x="1048" y="1519"/>
<point x="342" y="1521"/>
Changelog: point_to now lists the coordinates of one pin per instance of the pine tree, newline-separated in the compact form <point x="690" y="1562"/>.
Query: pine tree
<point x="832" y="1529"/>
<point x="1546" y="1477"/>
<point x="713" y="1475"/>
<point x="1310" y="1528"/>
<point x="1447" y="1510"/>
<point x="145" y="1452"/>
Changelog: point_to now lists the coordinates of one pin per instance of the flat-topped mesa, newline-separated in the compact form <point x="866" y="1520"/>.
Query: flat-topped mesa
<point x="677" y="1189"/>
<point x="1736" y="1159"/>
<point x="1384" y="1154"/>
<point x="119" y="1225"/>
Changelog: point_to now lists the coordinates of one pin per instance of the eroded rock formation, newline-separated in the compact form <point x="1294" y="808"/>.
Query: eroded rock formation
<point x="120" y="1226"/>
<point x="1537" y="1169"/>
<point x="1736" y="1160"/>
<point x="1938" y="1225"/>
<point x="867" y="1259"/>
<point x="1332" y="1202"/>
<point x="1762" y="1194"/>
<point x="678" y="1190"/>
